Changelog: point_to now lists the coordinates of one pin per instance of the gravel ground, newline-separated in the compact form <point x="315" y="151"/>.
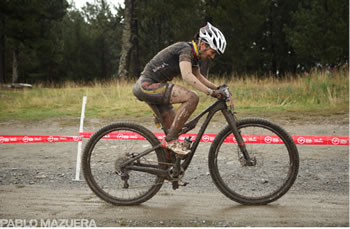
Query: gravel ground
<point x="36" y="182"/>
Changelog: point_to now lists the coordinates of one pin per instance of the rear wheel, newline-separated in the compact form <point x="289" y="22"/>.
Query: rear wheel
<point x="106" y="151"/>
<point x="275" y="154"/>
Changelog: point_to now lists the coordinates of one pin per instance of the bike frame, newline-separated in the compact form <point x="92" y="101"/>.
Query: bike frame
<point x="219" y="105"/>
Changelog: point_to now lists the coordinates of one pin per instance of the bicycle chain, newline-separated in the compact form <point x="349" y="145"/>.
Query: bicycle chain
<point x="166" y="180"/>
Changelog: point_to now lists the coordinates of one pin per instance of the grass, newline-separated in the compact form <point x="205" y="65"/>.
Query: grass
<point x="319" y="92"/>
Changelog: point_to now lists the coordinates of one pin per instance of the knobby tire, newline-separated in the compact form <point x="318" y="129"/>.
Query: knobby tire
<point x="275" y="171"/>
<point x="101" y="155"/>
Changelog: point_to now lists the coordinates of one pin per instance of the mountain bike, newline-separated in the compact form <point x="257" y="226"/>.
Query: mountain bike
<point x="251" y="161"/>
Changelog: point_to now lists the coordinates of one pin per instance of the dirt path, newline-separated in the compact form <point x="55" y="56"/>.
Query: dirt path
<point x="36" y="183"/>
<point x="172" y="208"/>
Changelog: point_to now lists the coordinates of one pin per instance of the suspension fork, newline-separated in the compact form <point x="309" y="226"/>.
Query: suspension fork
<point x="237" y="134"/>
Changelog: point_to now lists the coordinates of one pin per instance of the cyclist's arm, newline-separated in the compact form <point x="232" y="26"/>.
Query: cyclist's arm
<point x="190" y="78"/>
<point x="204" y="80"/>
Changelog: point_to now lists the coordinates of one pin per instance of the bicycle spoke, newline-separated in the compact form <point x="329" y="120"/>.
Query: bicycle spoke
<point x="106" y="175"/>
<point x="272" y="174"/>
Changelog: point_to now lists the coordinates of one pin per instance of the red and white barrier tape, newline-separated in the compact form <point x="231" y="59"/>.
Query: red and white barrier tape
<point x="37" y="139"/>
<point x="258" y="139"/>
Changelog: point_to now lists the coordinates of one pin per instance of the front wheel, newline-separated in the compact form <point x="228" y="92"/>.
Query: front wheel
<point x="275" y="167"/>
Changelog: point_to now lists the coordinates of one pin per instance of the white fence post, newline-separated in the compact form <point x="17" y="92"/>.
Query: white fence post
<point x="80" y="143"/>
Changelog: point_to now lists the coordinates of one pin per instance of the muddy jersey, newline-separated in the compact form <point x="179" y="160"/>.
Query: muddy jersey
<point x="165" y="65"/>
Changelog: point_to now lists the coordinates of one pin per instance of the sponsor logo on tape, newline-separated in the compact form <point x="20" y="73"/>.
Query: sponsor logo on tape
<point x="268" y="139"/>
<point x="251" y="139"/>
<point x="335" y="141"/>
<point x="301" y="140"/>
<point x="25" y="139"/>
<point x="122" y="136"/>
<point x="318" y="140"/>
<point x="205" y="138"/>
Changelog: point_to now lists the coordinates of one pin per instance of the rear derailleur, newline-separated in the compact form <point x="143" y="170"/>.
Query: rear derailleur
<point x="121" y="171"/>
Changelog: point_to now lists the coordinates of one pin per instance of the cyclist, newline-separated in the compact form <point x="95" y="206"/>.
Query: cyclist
<point x="181" y="58"/>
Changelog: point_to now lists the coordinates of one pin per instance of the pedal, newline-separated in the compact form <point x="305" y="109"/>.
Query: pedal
<point x="182" y="183"/>
<point x="175" y="185"/>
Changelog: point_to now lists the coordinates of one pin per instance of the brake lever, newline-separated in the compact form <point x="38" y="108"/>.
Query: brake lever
<point x="229" y="99"/>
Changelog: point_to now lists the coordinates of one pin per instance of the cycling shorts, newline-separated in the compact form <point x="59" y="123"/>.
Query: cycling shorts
<point x="152" y="92"/>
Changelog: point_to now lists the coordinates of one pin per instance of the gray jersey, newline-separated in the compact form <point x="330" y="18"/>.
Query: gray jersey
<point x="165" y="65"/>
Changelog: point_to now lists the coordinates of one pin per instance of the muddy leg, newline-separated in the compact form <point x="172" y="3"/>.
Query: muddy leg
<point x="189" y="100"/>
<point x="168" y="117"/>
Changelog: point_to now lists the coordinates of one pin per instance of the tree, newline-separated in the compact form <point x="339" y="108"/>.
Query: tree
<point x="278" y="55"/>
<point x="2" y="46"/>
<point x="161" y="23"/>
<point x="48" y="41"/>
<point x="242" y="23"/>
<point x="90" y="43"/>
<point x="319" y="32"/>
<point x="27" y="25"/>
<point x="127" y="38"/>
<point x="104" y="32"/>
<point x="78" y="63"/>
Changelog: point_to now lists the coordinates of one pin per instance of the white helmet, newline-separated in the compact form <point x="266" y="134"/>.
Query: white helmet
<point x="213" y="37"/>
